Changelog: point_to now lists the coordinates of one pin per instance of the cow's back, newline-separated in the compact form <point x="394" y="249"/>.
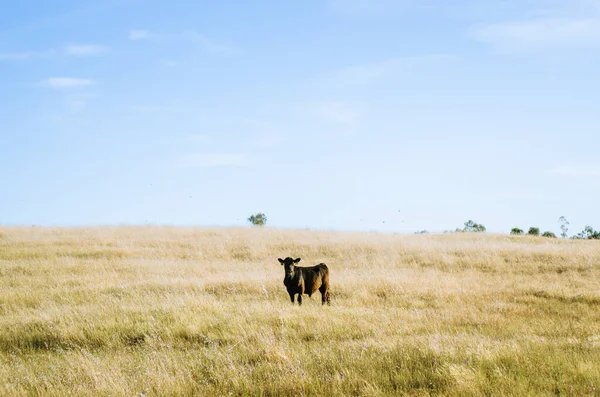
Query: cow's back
<point x="314" y="277"/>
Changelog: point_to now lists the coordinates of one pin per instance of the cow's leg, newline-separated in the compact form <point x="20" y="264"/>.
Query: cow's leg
<point x="291" y="297"/>
<point x="300" y="293"/>
<point x="324" y="294"/>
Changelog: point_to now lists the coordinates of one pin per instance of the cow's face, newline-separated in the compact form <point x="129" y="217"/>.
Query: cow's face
<point x="289" y="265"/>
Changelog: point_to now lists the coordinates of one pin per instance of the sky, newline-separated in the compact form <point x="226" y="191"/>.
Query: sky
<point x="366" y="115"/>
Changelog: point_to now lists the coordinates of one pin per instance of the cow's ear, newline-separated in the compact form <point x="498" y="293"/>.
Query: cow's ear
<point x="280" y="260"/>
<point x="296" y="260"/>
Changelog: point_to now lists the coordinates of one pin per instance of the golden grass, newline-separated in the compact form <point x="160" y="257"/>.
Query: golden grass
<point x="173" y="311"/>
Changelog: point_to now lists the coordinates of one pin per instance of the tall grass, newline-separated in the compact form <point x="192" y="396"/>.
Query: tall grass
<point x="168" y="311"/>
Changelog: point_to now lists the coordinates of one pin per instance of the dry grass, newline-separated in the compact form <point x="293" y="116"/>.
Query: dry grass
<point x="165" y="311"/>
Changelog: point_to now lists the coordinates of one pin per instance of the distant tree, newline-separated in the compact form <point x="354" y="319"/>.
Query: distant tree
<point x="549" y="235"/>
<point x="259" y="219"/>
<point x="534" y="231"/>
<point x="515" y="231"/>
<point x="422" y="232"/>
<point x="588" y="233"/>
<point x="564" y="226"/>
<point x="471" y="226"/>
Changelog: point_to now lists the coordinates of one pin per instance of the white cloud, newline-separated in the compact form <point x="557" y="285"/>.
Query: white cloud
<point x="371" y="72"/>
<point x="169" y="63"/>
<point x="378" y="8"/>
<point x="338" y="113"/>
<point x="269" y="139"/>
<point x="211" y="160"/>
<point x="77" y="105"/>
<point x="266" y="134"/>
<point x="67" y="82"/>
<point x="77" y="101"/>
<point x="158" y="108"/>
<point x="82" y="50"/>
<point x="139" y="35"/>
<point x="71" y="50"/>
<point x="543" y="33"/>
<point x="517" y="195"/>
<point x="207" y="44"/>
<point x="191" y="36"/>
<point x="577" y="170"/>
<point x="198" y="138"/>
<point x="25" y="56"/>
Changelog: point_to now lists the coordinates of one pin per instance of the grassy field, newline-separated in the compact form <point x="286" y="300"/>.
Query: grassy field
<point x="170" y="312"/>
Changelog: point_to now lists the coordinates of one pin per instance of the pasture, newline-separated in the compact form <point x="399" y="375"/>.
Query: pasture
<point x="154" y="311"/>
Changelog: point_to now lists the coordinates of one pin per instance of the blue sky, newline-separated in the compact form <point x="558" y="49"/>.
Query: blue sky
<point x="326" y="114"/>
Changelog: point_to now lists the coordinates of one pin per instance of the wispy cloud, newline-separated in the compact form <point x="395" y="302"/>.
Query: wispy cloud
<point x="158" y="108"/>
<point x="338" y="113"/>
<point x="577" y="170"/>
<point x="202" y="160"/>
<point x="377" y="8"/>
<point x="84" y="50"/>
<point x="269" y="139"/>
<point x="551" y="25"/>
<point x="266" y="134"/>
<point x="542" y="33"/>
<point x="25" y="56"/>
<point x="69" y="50"/>
<point x="77" y="102"/>
<point x="198" y="138"/>
<point x="208" y="44"/>
<point x="67" y="82"/>
<point x="76" y="105"/>
<point x="169" y="63"/>
<point x="203" y="41"/>
<point x="371" y="72"/>
<point x="517" y="195"/>
<point x="139" y="35"/>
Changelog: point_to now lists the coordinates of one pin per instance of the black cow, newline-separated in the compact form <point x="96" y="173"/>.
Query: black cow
<point x="305" y="280"/>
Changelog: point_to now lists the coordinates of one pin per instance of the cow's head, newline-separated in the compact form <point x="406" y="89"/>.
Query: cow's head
<point x="289" y="264"/>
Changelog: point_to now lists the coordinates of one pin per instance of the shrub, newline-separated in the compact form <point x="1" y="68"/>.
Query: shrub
<point x="564" y="226"/>
<point x="515" y="231"/>
<point x="588" y="233"/>
<point x="534" y="231"/>
<point x="549" y="235"/>
<point x="471" y="226"/>
<point x="259" y="219"/>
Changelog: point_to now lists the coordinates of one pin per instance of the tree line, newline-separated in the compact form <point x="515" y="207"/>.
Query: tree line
<point x="470" y="226"/>
<point x="588" y="233"/>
